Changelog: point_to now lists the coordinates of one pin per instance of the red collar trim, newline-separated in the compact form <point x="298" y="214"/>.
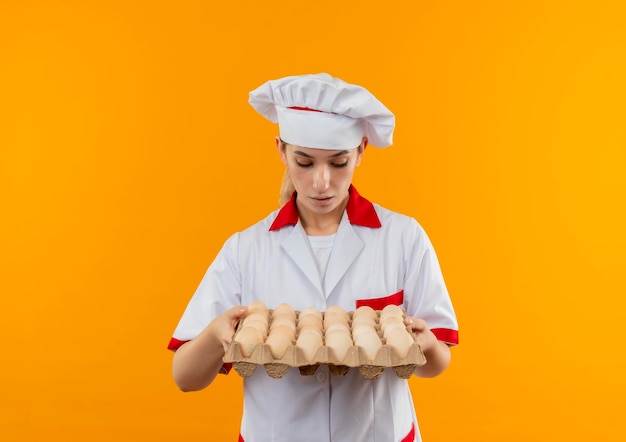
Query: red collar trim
<point x="360" y="211"/>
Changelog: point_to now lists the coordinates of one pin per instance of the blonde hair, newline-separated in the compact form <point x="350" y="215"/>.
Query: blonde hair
<point x="286" y="186"/>
<point x="286" y="189"/>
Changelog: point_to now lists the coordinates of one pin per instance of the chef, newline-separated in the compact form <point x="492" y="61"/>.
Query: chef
<point x="327" y="245"/>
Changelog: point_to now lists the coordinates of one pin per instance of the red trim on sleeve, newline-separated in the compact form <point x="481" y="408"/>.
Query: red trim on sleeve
<point x="411" y="436"/>
<point x="381" y="303"/>
<point x="446" y="335"/>
<point x="175" y="344"/>
<point x="241" y="439"/>
<point x="360" y="212"/>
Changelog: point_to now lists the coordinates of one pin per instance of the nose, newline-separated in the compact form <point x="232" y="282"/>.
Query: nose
<point x="321" y="178"/>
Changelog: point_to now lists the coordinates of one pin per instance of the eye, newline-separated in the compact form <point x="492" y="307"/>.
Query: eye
<point x="305" y="165"/>
<point x="340" y="165"/>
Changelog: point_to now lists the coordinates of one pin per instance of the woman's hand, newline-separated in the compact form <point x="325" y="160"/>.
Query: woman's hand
<point x="437" y="353"/>
<point x="197" y="362"/>
<point x="223" y="327"/>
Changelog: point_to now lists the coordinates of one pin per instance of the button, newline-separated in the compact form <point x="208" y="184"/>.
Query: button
<point x="320" y="376"/>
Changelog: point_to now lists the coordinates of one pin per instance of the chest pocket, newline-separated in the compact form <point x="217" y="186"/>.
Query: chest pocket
<point x="380" y="303"/>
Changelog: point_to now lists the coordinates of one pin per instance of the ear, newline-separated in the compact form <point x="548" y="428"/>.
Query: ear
<point x="281" y="150"/>
<point x="361" y="151"/>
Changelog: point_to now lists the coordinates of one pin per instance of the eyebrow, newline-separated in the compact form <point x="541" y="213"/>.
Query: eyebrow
<point x="338" y="154"/>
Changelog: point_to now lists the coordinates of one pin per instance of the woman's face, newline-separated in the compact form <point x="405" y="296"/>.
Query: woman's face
<point x="321" y="177"/>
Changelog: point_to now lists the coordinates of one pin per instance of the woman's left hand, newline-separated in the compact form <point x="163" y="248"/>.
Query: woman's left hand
<point x="423" y="336"/>
<point x="437" y="353"/>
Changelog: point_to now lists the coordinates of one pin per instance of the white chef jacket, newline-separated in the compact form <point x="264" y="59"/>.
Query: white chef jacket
<point x="379" y="257"/>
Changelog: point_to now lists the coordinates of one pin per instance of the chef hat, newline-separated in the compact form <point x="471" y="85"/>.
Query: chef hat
<point x="319" y="111"/>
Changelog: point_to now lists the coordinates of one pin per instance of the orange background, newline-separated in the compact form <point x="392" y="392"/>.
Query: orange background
<point x="128" y="154"/>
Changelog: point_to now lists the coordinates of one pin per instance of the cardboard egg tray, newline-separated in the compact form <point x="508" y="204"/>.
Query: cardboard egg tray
<point x="386" y="357"/>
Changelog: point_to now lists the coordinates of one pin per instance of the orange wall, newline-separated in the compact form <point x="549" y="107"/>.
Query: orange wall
<point x="128" y="153"/>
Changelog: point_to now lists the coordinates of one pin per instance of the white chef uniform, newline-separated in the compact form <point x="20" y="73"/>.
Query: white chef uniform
<point x="379" y="257"/>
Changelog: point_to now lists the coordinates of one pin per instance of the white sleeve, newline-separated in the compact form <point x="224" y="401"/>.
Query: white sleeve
<point x="219" y="290"/>
<point x="425" y="291"/>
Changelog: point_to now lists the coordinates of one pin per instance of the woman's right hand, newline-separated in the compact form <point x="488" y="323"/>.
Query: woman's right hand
<point x="223" y="327"/>
<point x="197" y="362"/>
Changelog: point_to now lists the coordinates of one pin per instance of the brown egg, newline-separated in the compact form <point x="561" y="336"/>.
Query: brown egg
<point x="401" y="340"/>
<point x="339" y="342"/>
<point x="285" y="309"/>
<point x="256" y="316"/>
<point x="384" y="322"/>
<point x="309" y="342"/>
<point x="370" y="343"/>
<point x="391" y="310"/>
<point x="283" y="320"/>
<point x="284" y="315"/>
<point x="311" y="311"/>
<point x="335" y="318"/>
<point x="391" y="316"/>
<point x="278" y="343"/>
<point x="257" y="324"/>
<point x="363" y="320"/>
<point x="310" y="329"/>
<point x="309" y="321"/>
<point x="365" y="310"/>
<point x="285" y="331"/>
<point x="391" y="326"/>
<point x="248" y="338"/>
<point x="362" y="328"/>
<point x="258" y="307"/>
<point x="335" y="309"/>
<point x="337" y="326"/>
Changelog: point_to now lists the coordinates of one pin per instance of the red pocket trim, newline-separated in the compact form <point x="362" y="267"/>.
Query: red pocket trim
<point x="381" y="303"/>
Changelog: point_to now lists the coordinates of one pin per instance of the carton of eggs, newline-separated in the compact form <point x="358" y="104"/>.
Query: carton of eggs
<point x="282" y="338"/>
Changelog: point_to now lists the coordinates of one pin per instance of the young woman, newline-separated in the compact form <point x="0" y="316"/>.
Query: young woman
<point x="326" y="246"/>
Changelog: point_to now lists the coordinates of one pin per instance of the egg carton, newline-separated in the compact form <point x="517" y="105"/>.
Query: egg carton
<point x="386" y="357"/>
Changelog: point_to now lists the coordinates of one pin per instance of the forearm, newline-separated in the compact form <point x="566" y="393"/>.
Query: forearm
<point x="437" y="360"/>
<point x="197" y="362"/>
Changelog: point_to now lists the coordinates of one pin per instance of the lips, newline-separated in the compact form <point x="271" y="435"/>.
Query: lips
<point x="322" y="200"/>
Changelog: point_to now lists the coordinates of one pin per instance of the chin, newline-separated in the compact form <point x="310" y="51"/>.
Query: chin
<point x="322" y="210"/>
